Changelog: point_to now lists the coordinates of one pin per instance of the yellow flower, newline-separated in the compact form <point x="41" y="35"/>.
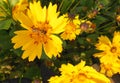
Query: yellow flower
<point x="43" y="25"/>
<point x="78" y="74"/>
<point x="109" y="57"/>
<point x="110" y="69"/>
<point x="72" y="28"/>
<point x="109" y="49"/>
<point x="21" y="6"/>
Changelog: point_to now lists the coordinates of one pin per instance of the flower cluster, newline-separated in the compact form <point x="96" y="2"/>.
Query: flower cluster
<point x="62" y="31"/>
<point x="109" y="57"/>
<point x="43" y="28"/>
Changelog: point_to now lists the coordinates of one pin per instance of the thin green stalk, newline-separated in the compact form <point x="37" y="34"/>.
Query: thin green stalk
<point x="70" y="4"/>
<point x="75" y="6"/>
<point x="105" y="25"/>
<point x="10" y="7"/>
<point x="20" y="80"/>
<point x="60" y="5"/>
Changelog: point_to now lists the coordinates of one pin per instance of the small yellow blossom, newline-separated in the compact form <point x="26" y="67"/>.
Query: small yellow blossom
<point x="110" y="53"/>
<point x="42" y="25"/>
<point x="21" y="6"/>
<point x="109" y="49"/>
<point x="72" y="28"/>
<point x="79" y="74"/>
<point x="92" y="14"/>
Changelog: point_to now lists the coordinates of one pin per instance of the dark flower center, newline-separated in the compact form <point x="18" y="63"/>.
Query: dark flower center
<point x="113" y="49"/>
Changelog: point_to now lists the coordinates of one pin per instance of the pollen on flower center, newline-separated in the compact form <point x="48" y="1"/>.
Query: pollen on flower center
<point x="40" y="32"/>
<point x="113" y="49"/>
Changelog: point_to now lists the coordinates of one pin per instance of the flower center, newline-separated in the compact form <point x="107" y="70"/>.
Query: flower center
<point x="40" y="32"/>
<point x="113" y="49"/>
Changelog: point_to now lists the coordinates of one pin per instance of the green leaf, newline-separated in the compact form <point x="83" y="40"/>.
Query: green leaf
<point x="5" y="8"/>
<point x="13" y="2"/>
<point x="119" y="1"/>
<point x="81" y="40"/>
<point x="91" y="3"/>
<point x="65" y="5"/>
<point x="93" y="37"/>
<point x="5" y="24"/>
<point x="44" y="56"/>
<point x="5" y="42"/>
<point x="18" y="52"/>
<point x="104" y="2"/>
<point x="32" y="72"/>
<point x="99" y="20"/>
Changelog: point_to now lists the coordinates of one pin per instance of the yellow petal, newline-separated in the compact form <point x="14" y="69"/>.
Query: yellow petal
<point x="37" y="12"/>
<point x="25" y="20"/>
<point x="104" y="43"/>
<point x="116" y="38"/>
<point x="20" y="39"/>
<point x="58" y="25"/>
<point x="56" y="48"/>
<point x="51" y="12"/>
<point x="28" y="45"/>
